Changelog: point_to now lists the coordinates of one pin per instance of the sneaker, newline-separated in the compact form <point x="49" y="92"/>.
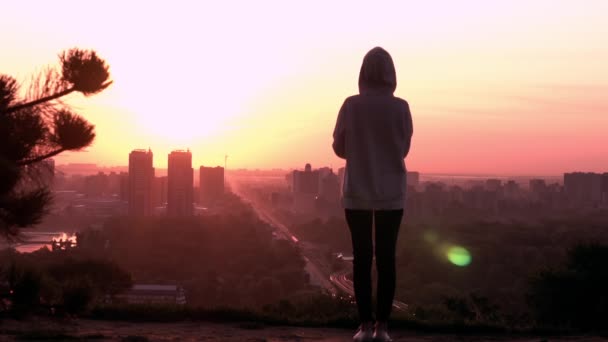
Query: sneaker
<point x="381" y="333"/>
<point x="364" y="333"/>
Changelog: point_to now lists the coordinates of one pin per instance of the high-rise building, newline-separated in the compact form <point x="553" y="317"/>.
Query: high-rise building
<point x="180" y="183"/>
<point x="141" y="176"/>
<point x="211" y="184"/>
<point x="583" y="188"/>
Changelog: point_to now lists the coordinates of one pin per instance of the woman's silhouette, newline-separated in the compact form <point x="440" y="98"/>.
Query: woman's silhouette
<point x="373" y="133"/>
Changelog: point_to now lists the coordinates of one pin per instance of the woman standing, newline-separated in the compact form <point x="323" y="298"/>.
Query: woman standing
<point x="373" y="133"/>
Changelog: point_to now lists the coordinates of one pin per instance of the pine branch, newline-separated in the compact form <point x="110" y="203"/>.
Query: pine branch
<point x="41" y="157"/>
<point x="40" y="100"/>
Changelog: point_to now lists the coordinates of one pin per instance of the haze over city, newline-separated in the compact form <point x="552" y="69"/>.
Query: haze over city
<point x="519" y="84"/>
<point x="324" y="170"/>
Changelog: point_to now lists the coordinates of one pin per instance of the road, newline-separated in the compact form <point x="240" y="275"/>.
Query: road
<point x="317" y="277"/>
<point x="346" y="285"/>
<point x="330" y="282"/>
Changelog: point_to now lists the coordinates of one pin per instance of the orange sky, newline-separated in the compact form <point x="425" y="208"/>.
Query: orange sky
<point x="511" y="87"/>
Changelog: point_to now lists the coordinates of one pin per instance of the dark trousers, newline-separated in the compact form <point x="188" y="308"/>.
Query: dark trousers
<point x="387" y="224"/>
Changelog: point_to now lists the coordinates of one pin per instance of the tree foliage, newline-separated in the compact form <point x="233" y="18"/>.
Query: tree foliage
<point x="34" y="126"/>
<point x="575" y="295"/>
<point x="69" y="281"/>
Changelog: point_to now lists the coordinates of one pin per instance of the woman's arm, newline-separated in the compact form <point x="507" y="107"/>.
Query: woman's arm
<point x="339" y="144"/>
<point x="409" y="130"/>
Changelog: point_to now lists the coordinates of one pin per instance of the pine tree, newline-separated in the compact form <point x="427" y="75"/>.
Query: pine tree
<point x="36" y="125"/>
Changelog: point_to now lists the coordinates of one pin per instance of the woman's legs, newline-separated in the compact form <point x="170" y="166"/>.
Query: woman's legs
<point x="360" y="225"/>
<point x="387" y="230"/>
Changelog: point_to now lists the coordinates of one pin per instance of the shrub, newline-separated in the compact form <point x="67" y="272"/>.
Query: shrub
<point x="78" y="295"/>
<point x="577" y="295"/>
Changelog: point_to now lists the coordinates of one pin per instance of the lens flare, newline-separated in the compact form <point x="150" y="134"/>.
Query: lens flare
<point x="430" y="236"/>
<point x="459" y="256"/>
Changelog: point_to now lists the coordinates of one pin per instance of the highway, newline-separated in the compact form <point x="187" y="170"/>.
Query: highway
<point x="317" y="277"/>
<point x="333" y="283"/>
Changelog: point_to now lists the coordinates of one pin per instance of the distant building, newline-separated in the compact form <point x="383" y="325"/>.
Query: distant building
<point x="413" y="179"/>
<point x="324" y="171"/>
<point x="180" y="182"/>
<point x="96" y="186"/>
<point x="583" y="189"/>
<point x="47" y="172"/>
<point x="141" y="177"/>
<point x="456" y="195"/>
<point x="341" y="174"/>
<point x="512" y="189"/>
<point x="435" y="198"/>
<point x="605" y="189"/>
<point x="211" y="183"/>
<point x="154" y="294"/>
<point x="113" y="186"/>
<point x="306" y="182"/>
<point x="159" y="191"/>
<point x="305" y="189"/>
<point x="493" y="185"/>
<point x="538" y="188"/>
<point x="289" y="180"/>
<point x="124" y="186"/>
<point x="330" y="188"/>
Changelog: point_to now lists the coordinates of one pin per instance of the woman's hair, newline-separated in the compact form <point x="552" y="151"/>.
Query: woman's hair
<point x="377" y="71"/>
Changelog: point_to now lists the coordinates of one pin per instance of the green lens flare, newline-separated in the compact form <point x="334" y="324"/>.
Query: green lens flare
<point x="430" y="236"/>
<point x="459" y="256"/>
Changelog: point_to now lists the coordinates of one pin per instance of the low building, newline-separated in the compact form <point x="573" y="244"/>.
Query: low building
<point x="154" y="294"/>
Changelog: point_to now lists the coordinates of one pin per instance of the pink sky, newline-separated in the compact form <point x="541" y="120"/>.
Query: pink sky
<point x="512" y="87"/>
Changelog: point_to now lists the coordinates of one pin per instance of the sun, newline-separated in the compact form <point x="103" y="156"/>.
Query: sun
<point x="182" y="127"/>
<point x="175" y="117"/>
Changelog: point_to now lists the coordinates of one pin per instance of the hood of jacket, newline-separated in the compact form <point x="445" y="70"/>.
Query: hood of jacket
<point x="377" y="73"/>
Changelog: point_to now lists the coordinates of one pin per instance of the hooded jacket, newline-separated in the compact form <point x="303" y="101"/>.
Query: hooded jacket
<point x="373" y="133"/>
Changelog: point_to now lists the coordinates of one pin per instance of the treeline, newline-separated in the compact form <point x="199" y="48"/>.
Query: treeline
<point x="518" y="273"/>
<point x="224" y="260"/>
<point x="228" y="260"/>
<point x="56" y="283"/>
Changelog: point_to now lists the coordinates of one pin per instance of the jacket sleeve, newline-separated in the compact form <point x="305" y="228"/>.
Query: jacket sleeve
<point x="409" y="130"/>
<point x="339" y="144"/>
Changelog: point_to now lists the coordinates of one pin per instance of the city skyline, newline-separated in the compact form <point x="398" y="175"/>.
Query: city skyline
<point x="486" y="96"/>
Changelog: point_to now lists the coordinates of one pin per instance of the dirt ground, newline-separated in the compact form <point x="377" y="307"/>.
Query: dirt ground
<point x="201" y="331"/>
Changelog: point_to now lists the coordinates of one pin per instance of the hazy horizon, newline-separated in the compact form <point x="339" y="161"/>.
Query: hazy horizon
<point x="163" y="171"/>
<point x="495" y="88"/>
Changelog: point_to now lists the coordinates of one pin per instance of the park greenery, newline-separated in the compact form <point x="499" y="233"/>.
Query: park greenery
<point x="516" y="273"/>
<point x="230" y="260"/>
<point x="549" y="275"/>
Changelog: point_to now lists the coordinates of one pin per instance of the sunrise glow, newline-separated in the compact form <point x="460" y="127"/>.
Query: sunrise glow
<point x="516" y="83"/>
